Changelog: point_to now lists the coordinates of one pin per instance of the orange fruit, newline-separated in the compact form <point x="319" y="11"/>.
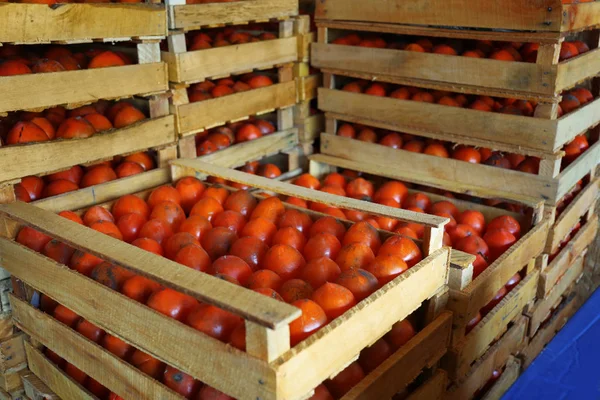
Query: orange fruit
<point x="312" y="319"/>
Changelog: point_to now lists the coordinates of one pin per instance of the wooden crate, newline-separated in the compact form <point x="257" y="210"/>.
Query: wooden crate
<point x="568" y="307"/>
<point x="543" y="308"/>
<point x="473" y="345"/>
<point x="80" y="23"/>
<point x="35" y="388"/>
<point x="462" y="177"/>
<point x="552" y="273"/>
<point x="269" y="364"/>
<point x="544" y="136"/>
<point x="43" y="158"/>
<point x="432" y="389"/>
<point x="494" y="359"/>
<point x="36" y="92"/>
<point x="546" y="17"/>
<point x="509" y="376"/>
<point x="197" y="16"/>
<point x="543" y="80"/>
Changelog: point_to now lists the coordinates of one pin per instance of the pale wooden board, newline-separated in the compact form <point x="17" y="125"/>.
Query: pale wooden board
<point x="433" y="389"/>
<point x="454" y="175"/>
<point x="542" y="308"/>
<point x="310" y="128"/>
<point x="545" y="335"/>
<point x="467" y="302"/>
<point x="100" y="364"/>
<point x="206" y="288"/>
<point x="584" y="201"/>
<point x="576" y="171"/>
<point x="579" y="16"/>
<point x="410" y="115"/>
<point x="495" y="358"/>
<point x="35" y="388"/>
<point x="207" y="113"/>
<point x="307" y="87"/>
<point x="202" y="64"/>
<point x="54" y="155"/>
<point x="150" y="331"/>
<point x="38" y="23"/>
<point x="400" y="369"/>
<point x="517" y="15"/>
<point x="577" y="122"/>
<point x="12" y="353"/>
<point x="198" y="15"/>
<point x="494" y="324"/>
<point x="35" y="91"/>
<point x="555" y="270"/>
<point x="193" y="167"/>
<point x="509" y="376"/>
<point x="442" y="69"/>
<point x="575" y="70"/>
<point x="342" y="340"/>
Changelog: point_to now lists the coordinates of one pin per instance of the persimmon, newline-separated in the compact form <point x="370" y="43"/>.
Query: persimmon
<point x="391" y="190"/>
<point x="218" y="241"/>
<point x="149" y="245"/>
<point x="307" y="181"/>
<point x="271" y="209"/>
<point x="139" y="288"/>
<point x="73" y="174"/>
<point x="374" y="355"/>
<point x="177" y="242"/>
<point x="291" y="237"/>
<point x="58" y="187"/>
<point x="498" y="241"/>
<point x="363" y="232"/>
<point x="99" y="122"/>
<point x="240" y="201"/>
<point x="478" y="247"/>
<point x="65" y="315"/>
<point x="108" y="228"/>
<point x="402" y="247"/>
<point x="569" y="103"/>
<point x="250" y="249"/>
<point x="400" y="334"/>
<point x="98" y="175"/>
<point x="568" y="50"/>
<point x="506" y="222"/>
<point x="295" y="289"/>
<point x="75" y="128"/>
<point x="419" y="200"/>
<point x="320" y="270"/>
<point x="234" y="267"/>
<point x="33" y="186"/>
<point x="264" y="278"/>
<point x="346" y="130"/>
<point x="164" y="193"/>
<point x="156" y="229"/>
<point x="55" y="358"/>
<point x="321" y="245"/>
<point x="110" y="275"/>
<point x="218" y="193"/>
<point x="341" y="384"/>
<point x="259" y="228"/>
<point x="386" y="267"/>
<point x="213" y="321"/>
<point x="334" y="299"/>
<point x="247" y="132"/>
<point x="494" y="302"/>
<point x="130" y="204"/>
<point x="472" y="218"/>
<point x="444" y="206"/>
<point x="26" y="132"/>
<point x="58" y="251"/>
<point x="141" y="158"/>
<point x="180" y="382"/>
<point x="172" y="303"/>
<point x="424" y="97"/>
<point x="583" y="95"/>
<point x="295" y="219"/>
<point x="147" y="364"/>
<point x="354" y="255"/>
<point x="513" y="282"/>
<point x="207" y="207"/>
<point x="76" y="374"/>
<point x="194" y="257"/>
<point x="84" y="263"/>
<point x="312" y="319"/>
<point x="106" y="59"/>
<point x="360" y="188"/>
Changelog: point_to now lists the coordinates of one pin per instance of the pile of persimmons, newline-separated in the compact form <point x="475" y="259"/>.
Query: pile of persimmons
<point x="32" y="188"/>
<point x="219" y="138"/>
<point x="226" y="86"/>
<point x="221" y="37"/>
<point x="317" y="264"/>
<point x="23" y="60"/>
<point x="471" y="154"/>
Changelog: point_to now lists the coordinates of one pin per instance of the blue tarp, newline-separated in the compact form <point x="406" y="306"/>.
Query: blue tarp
<point x="569" y="367"/>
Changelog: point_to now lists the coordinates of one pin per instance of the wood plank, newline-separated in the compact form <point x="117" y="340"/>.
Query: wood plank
<point x="248" y="304"/>
<point x="577" y="123"/>
<point x="100" y="364"/>
<point x="495" y="14"/>
<point x="433" y="389"/>
<point x="87" y="197"/>
<point x="467" y="302"/>
<point x="577" y="69"/>
<point x="35" y="91"/>
<point x="495" y="358"/>
<point x="138" y="325"/>
<point x="207" y="113"/>
<point x="542" y="308"/>
<point x="308" y="87"/>
<point x="454" y="175"/>
<point x="584" y="201"/>
<point x="198" y="15"/>
<point x="443" y="69"/>
<point x="38" y="23"/>
<point x="547" y="333"/>
<point x="576" y="171"/>
<point x="10" y="381"/>
<point x="35" y="388"/>
<point x="202" y="64"/>
<point x="416" y="116"/>
<point x="341" y="341"/>
<point x="12" y="353"/>
<point x="579" y="16"/>
<point x="403" y="367"/>
<point x="478" y="340"/>
<point x="191" y="167"/>
<point x="509" y="376"/>
<point x="55" y="155"/>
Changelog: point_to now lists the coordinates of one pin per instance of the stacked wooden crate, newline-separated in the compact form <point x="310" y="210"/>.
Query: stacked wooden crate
<point x="138" y="29"/>
<point x="476" y="356"/>
<point x="275" y="56"/>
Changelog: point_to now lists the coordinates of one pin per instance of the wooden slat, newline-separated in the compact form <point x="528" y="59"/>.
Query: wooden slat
<point x="443" y="69"/>
<point x="51" y="375"/>
<point x="454" y="175"/>
<point x="192" y="167"/>
<point x="400" y="369"/>
<point x="42" y="158"/>
<point x="577" y="123"/>
<point x="342" y="340"/>
<point x="478" y="340"/>
<point x="202" y="64"/>
<point x="206" y="288"/>
<point x="576" y="70"/>
<point x="495" y="14"/>
<point x="138" y="324"/>
<point x="579" y="16"/>
<point x="307" y="87"/>
<point x="509" y="376"/>
<point x="198" y="15"/>
<point x="466" y="303"/>
<point x="584" y="201"/>
<point x="576" y="171"/>
<point x="34" y="91"/>
<point x="100" y="364"/>
<point x="12" y="353"/>
<point x="411" y="116"/>
<point x="495" y="358"/>
<point x="207" y="113"/>
<point x="35" y="388"/>
<point x="433" y="389"/>
<point x="38" y="23"/>
<point x="543" y="307"/>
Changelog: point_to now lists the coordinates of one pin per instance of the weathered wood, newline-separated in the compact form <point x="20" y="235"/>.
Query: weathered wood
<point x="577" y="69"/>
<point x="12" y="353"/>
<point x="34" y="387"/>
<point x="509" y="376"/>
<point x="433" y="389"/>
